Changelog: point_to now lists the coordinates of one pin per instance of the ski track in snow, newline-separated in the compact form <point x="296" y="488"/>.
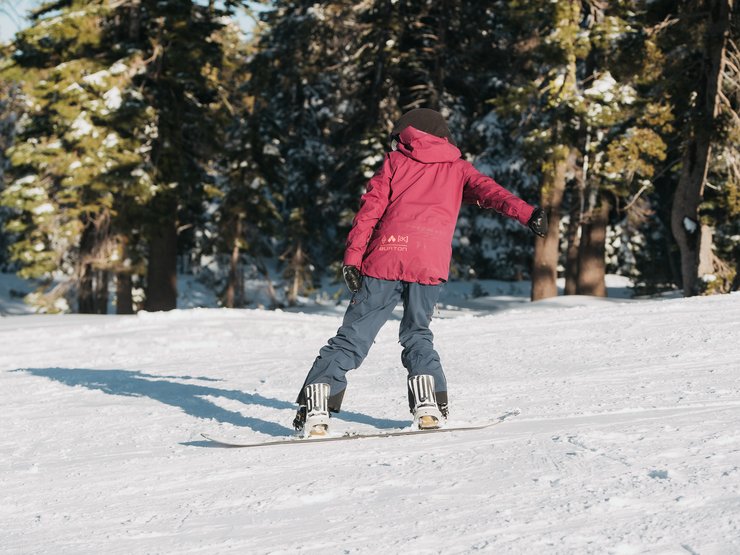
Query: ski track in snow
<point x="628" y="441"/>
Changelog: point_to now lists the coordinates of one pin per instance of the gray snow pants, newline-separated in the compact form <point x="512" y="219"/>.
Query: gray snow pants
<point x="368" y="310"/>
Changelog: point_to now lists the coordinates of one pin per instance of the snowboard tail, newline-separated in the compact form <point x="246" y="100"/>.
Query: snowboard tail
<point x="360" y="435"/>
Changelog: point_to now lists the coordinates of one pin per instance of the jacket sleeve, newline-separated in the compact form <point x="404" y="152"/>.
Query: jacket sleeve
<point x="485" y="192"/>
<point x="372" y="207"/>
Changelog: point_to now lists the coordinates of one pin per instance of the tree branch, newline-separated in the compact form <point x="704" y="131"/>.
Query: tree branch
<point x="637" y="196"/>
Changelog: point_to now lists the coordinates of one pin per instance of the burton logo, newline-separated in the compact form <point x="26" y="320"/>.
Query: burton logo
<point x="394" y="243"/>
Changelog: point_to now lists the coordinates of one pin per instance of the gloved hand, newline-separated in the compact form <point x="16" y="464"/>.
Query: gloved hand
<point x="352" y="278"/>
<point x="538" y="222"/>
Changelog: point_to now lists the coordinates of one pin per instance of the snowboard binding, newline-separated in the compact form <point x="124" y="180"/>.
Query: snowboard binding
<point x="428" y="415"/>
<point x="312" y="419"/>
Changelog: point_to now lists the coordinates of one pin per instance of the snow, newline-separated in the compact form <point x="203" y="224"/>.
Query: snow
<point x="118" y="68"/>
<point x="12" y="291"/>
<point x="45" y="208"/>
<point x="74" y="87"/>
<point x="80" y="127"/>
<point x="602" y="87"/>
<point x="113" y="99"/>
<point x="25" y="180"/>
<point x="111" y="140"/>
<point x="628" y="441"/>
<point x="689" y="225"/>
<point x="98" y="78"/>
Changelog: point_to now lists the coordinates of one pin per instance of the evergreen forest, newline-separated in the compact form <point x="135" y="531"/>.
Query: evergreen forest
<point x="145" y="139"/>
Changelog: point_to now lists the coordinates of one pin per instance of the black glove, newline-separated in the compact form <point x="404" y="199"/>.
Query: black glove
<point x="538" y="222"/>
<point x="352" y="278"/>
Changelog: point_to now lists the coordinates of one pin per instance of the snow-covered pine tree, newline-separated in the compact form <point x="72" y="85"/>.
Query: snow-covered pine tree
<point x="487" y="245"/>
<point x="594" y="140"/>
<point x="692" y="234"/>
<point x="110" y="161"/>
<point x="241" y="228"/>
<point x="78" y="161"/>
<point x="178" y="39"/>
<point x="620" y="147"/>
<point x="306" y="142"/>
<point x="548" y="42"/>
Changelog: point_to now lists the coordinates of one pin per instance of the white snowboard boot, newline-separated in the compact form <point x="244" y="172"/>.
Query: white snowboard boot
<point x="427" y="415"/>
<point x="317" y="410"/>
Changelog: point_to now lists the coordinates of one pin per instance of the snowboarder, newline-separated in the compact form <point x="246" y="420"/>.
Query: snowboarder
<point x="399" y="249"/>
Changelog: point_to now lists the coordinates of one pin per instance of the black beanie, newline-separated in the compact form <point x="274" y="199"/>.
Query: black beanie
<point x="424" y="119"/>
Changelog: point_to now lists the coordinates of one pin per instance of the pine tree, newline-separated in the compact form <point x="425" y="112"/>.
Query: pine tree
<point x="548" y="42"/>
<point x="621" y="147"/>
<point x="9" y="111"/>
<point x="691" y="234"/>
<point x="78" y="155"/>
<point x="177" y="37"/>
<point x="307" y="126"/>
<point x="242" y="225"/>
<point x="691" y="40"/>
<point x="585" y="128"/>
<point x="116" y="144"/>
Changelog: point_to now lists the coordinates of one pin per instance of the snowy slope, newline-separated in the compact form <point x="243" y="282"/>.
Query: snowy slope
<point x="628" y="442"/>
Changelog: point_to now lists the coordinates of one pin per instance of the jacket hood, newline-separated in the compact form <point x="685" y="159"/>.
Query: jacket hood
<point x="426" y="148"/>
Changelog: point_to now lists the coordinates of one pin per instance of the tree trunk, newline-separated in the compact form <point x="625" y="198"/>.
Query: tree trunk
<point x="706" y="256"/>
<point x="546" y="249"/>
<point x="685" y="219"/>
<point x="591" y="253"/>
<point x="102" y="277"/>
<point x="124" y="298"/>
<point x="85" y="296"/>
<point x="297" y="270"/>
<point x="124" y="294"/>
<point x="161" y="277"/>
<point x="571" y="255"/>
<point x="234" y="296"/>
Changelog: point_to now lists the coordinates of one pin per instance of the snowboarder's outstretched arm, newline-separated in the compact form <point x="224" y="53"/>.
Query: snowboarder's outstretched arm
<point x="485" y="192"/>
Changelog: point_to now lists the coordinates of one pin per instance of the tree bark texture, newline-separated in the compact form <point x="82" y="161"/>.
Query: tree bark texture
<point x="85" y="296"/>
<point x="546" y="249"/>
<point x="591" y="251"/>
<point x="124" y="298"/>
<point x="161" y="277"/>
<point x="571" y="255"/>
<point x="124" y="281"/>
<point x="102" y="277"/>
<point x="234" y="296"/>
<point x="298" y="263"/>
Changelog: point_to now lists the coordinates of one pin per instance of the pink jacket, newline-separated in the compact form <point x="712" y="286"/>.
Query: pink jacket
<point x="403" y="229"/>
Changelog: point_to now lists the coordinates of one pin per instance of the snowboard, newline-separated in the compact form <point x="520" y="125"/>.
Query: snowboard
<point x="298" y="440"/>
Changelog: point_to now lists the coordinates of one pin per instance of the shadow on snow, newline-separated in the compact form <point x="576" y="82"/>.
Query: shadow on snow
<point x="191" y="398"/>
